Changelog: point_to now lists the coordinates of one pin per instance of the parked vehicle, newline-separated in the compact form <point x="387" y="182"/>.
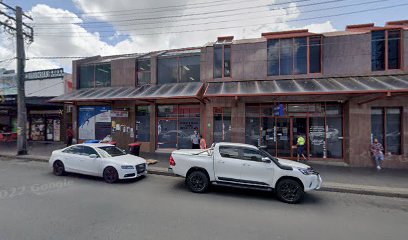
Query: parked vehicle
<point x="98" y="159"/>
<point x="243" y="166"/>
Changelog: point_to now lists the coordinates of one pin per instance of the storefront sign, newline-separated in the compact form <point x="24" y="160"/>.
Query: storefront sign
<point x="8" y="99"/>
<point x="119" y="114"/>
<point x="44" y="74"/>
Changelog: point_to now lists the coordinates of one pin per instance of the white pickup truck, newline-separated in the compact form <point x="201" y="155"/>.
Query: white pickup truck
<point x="244" y="166"/>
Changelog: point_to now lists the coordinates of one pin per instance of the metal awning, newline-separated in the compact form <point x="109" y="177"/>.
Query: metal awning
<point x="338" y="85"/>
<point x="146" y="92"/>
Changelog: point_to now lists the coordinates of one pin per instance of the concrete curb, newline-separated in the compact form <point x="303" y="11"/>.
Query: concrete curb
<point x="327" y="186"/>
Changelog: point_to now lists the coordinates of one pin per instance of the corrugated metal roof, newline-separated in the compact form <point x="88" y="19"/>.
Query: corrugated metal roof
<point x="145" y="92"/>
<point x="373" y="84"/>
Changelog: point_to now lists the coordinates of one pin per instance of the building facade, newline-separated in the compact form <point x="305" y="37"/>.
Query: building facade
<point x="44" y="119"/>
<point x="338" y="90"/>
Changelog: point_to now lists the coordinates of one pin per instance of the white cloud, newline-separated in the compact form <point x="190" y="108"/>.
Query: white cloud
<point x="249" y="20"/>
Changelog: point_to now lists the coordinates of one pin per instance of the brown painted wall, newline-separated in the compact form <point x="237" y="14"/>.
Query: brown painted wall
<point x="124" y="138"/>
<point x="123" y="73"/>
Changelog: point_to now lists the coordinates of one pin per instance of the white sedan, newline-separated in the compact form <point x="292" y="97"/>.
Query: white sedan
<point x="98" y="159"/>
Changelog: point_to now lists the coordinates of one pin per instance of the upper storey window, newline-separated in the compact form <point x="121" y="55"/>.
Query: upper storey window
<point x="143" y="71"/>
<point x="222" y="60"/>
<point x="178" y="69"/>
<point x="289" y="56"/>
<point x="98" y="75"/>
<point x="385" y="50"/>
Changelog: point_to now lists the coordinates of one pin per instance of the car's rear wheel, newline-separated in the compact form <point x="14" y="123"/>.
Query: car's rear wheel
<point x="58" y="168"/>
<point x="197" y="182"/>
<point x="110" y="175"/>
<point x="289" y="191"/>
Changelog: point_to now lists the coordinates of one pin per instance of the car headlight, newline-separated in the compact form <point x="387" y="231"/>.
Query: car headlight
<point x="127" y="167"/>
<point x="307" y="171"/>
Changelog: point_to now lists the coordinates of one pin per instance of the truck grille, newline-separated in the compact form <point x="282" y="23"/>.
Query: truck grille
<point x="141" y="168"/>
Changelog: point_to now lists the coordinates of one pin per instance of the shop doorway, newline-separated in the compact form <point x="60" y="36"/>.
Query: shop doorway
<point x="299" y="128"/>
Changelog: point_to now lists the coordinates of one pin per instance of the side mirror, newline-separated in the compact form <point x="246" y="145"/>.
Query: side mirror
<point x="93" y="156"/>
<point x="266" y="160"/>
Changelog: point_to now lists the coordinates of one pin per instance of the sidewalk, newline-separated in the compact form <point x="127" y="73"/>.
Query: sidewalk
<point x="387" y="182"/>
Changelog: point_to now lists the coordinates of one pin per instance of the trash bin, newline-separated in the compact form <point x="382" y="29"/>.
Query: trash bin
<point x="134" y="148"/>
<point x="92" y="141"/>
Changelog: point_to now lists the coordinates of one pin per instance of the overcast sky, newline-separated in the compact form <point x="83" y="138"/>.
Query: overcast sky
<point x="66" y="28"/>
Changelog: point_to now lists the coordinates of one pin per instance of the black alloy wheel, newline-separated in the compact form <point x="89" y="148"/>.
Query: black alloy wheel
<point x="289" y="191"/>
<point x="58" y="168"/>
<point x="110" y="175"/>
<point x="197" y="182"/>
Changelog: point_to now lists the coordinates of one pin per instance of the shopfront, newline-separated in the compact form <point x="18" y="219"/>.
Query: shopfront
<point x="45" y="125"/>
<point x="277" y="126"/>
<point x="176" y="124"/>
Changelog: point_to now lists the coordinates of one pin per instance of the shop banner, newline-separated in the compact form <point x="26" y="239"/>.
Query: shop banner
<point x="94" y="122"/>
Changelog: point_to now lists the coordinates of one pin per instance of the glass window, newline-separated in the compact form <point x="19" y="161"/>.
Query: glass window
<point x="167" y="70"/>
<point x="378" y="50"/>
<point x="113" y="151"/>
<point x="394" y="38"/>
<point x="143" y="123"/>
<point x="103" y="75"/>
<point x="393" y="133"/>
<point x="143" y="71"/>
<point x="176" y="125"/>
<point x="286" y="56"/>
<point x="315" y="54"/>
<point x="251" y="155"/>
<point x="86" y="76"/>
<point x="167" y="111"/>
<point x="273" y="57"/>
<point x="334" y="137"/>
<point x="227" y="61"/>
<point x="73" y="150"/>
<point x="386" y="127"/>
<point x="377" y="124"/>
<point x="300" y="55"/>
<point x="229" y="152"/>
<point x="317" y="136"/>
<point x="218" y="61"/>
<point x="190" y="69"/>
<point x="222" y="125"/>
<point x="252" y="125"/>
<point x="87" y="151"/>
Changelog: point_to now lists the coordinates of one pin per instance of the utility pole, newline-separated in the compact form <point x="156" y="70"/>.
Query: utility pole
<point x="17" y="27"/>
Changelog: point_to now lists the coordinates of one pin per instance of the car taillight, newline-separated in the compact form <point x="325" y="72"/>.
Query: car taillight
<point x="172" y="162"/>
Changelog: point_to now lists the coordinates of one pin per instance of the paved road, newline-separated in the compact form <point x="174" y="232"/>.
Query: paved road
<point x="34" y="204"/>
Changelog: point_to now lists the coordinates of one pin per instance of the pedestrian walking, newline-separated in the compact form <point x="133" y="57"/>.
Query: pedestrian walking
<point x="203" y="143"/>
<point x="70" y="136"/>
<point x="301" y="147"/>
<point x="195" y="140"/>
<point x="377" y="149"/>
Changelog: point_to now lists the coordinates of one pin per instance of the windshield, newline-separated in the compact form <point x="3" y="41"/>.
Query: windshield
<point x="111" y="151"/>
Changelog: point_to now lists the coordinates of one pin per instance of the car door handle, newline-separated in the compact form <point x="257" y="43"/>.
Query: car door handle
<point x="245" y="164"/>
<point x="221" y="162"/>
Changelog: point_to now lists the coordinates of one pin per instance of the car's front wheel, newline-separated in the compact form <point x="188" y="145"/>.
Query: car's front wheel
<point x="110" y="175"/>
<point x="58" y="168"/>
<point x="197" y="182"/>
<point x="289" y="191"/>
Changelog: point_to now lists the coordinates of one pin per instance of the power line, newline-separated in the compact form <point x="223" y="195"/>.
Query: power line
<point x="223" y="21"/>
<point x="166" y="9"/>
<point x="201" y="18"/>
<point x="166" y="17"/>
<point x="240" y="26"/>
